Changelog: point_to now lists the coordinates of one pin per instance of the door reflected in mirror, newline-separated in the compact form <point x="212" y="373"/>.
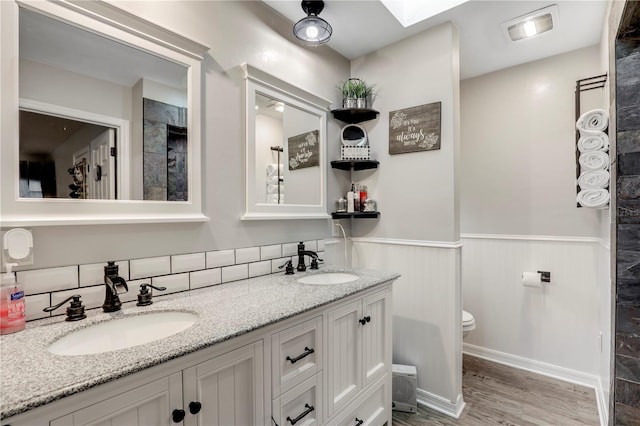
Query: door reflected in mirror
<point x="287" y="160"/>
<point x="65" y="158"/>
<point x="104" y="120"/>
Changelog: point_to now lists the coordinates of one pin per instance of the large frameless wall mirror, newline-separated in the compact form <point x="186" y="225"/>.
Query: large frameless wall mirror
<point x="105" y="109"/>
<point x="286" y="150"/>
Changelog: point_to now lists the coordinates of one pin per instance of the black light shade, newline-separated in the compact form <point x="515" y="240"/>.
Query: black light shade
<point x="312" y="30"/>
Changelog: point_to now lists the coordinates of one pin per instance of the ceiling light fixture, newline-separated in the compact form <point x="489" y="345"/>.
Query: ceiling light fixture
<point x="532" y="24"/>
<point x="312" y="30"/>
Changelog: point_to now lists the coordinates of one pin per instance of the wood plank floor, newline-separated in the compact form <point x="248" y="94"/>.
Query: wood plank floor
<point x="499" y="395"/>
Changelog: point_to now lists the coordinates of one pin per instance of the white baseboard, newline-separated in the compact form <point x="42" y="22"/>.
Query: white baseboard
<point x="440" y="404"/>
<point x="545" y="369"/>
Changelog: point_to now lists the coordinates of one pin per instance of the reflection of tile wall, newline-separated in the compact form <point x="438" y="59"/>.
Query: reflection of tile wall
<point x="626" y="386"/>
<point x="165" y="151"/>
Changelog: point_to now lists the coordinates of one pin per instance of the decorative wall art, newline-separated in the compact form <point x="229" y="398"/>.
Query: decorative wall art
<point x="415" y="129"/>
<point x="304" y="150"/>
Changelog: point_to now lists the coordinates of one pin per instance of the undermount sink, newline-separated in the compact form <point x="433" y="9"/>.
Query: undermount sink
<point x="328" y="278"/>
<point x="123" y="333"/>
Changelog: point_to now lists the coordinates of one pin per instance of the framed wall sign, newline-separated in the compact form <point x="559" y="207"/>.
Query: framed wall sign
<point x="303" y="150"/>
<point x="415" y="129"/>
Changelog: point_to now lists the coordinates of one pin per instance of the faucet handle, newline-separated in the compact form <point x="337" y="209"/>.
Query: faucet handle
<point x="314" y="262"/>
<point x="289" y="265"/>
<point x="75" y="311"/>
<point x="144" y="297"/>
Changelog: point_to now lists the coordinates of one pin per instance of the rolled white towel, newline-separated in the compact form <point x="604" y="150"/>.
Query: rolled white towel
<point x="594" y="179"/>
<point x="596" y="119"/>
<point x="273" y="189"/>
<point x="594" y="160"/>
<point x="274" y="169"/>
<point x="272" y="198"/>
<point x="274" y="179"/>
<point x="596" y="141"/>
<point x="593" y="198"/>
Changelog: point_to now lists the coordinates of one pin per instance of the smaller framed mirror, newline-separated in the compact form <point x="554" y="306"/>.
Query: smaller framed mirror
<point x="286" y="150"/>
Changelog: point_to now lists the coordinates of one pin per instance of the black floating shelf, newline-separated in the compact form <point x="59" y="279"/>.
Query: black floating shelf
<point x="356" y="215"/>
<point x="354" y="164"/>
<point x="355" y="115"/>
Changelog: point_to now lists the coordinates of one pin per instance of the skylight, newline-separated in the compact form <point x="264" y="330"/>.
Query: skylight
<point x="409" y="12"/>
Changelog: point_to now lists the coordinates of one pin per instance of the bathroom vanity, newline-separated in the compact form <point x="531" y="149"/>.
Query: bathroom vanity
<point x="268" y="350"/>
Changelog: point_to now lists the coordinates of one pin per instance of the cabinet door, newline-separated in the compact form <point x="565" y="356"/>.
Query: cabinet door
<point x="376" y="350"/>
<point x="228" y="388"/>
<point x="149" y="405"/>
<point x="344" y="352"/>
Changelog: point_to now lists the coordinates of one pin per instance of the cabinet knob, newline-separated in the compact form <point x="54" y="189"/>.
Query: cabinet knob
<point x="364" y="320"/>
<point x="359" y="421"/>
<point x="177" y="415"/>
<point x="195" y="407"/>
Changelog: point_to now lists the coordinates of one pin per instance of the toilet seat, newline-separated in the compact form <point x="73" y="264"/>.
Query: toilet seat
<point x="468" y="322"/>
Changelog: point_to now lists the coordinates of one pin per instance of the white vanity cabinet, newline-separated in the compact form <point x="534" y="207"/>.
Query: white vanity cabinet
<point x="328" y="366"/>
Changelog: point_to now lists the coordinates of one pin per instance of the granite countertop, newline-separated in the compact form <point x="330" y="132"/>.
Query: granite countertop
<point x="31" y="376"/>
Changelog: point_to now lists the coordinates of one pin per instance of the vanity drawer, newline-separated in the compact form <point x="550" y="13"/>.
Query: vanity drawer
<point x="296" y="354"/>
<point x="373" y="408"/>
<point x="301" y="405"/>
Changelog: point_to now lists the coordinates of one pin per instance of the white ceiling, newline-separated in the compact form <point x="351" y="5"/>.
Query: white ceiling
<point x="364" y="26"/>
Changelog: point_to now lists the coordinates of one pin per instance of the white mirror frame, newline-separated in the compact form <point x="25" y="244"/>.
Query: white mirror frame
<point x="258" y="81"/>
<point x="109" y="21"/>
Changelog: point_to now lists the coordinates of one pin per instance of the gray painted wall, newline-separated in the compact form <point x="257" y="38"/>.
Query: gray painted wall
<point x="237" y="32"/>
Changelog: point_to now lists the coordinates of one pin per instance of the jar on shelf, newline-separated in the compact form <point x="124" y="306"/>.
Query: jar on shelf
<point x="369" y="205"/>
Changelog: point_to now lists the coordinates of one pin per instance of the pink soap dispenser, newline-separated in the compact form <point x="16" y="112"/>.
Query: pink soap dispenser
<point x="11" y="303"/>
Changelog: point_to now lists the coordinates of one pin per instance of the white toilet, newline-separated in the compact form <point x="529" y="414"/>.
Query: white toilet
<point x="468" y="323"/>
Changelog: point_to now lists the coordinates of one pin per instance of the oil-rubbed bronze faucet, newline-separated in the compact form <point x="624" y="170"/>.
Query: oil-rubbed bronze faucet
<point x="115" y="285"/>
<point x="302" y="253"/>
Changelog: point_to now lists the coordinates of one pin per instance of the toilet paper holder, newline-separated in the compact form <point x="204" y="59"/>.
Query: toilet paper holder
<point x="545" y="276"/>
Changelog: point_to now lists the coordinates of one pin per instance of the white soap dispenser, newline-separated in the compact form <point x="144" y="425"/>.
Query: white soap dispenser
<point x="11" y="303"/>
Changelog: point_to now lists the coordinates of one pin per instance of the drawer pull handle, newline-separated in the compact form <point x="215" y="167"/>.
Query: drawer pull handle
<point x="309" y="408"/>
<point x="177" y="415"/>
<point x="364" y="320"/>
<point x="359" y="422"/>
<point x="306" y="352"/>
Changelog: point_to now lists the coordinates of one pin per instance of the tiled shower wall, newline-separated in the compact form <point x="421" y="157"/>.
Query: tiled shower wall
<point x="182" y="272"/>
<point x="625" y="407"/>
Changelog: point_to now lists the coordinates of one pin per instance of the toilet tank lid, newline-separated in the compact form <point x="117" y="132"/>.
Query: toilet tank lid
<point x="466" y="317"/>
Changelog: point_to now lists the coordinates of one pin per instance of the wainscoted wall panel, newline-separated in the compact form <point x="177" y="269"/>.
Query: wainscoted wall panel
<point x="558" y="324"/>
<point x="427" y="317"/>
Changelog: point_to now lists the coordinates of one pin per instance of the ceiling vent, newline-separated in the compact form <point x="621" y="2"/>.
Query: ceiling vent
<point x="532" y="24"/>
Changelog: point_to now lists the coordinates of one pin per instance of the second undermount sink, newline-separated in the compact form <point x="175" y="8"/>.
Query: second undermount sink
<point x="122" y="333"/>
<point x="328" y="278"/>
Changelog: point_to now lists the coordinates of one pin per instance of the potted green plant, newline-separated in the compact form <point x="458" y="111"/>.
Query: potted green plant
<point x="348" y="90"/>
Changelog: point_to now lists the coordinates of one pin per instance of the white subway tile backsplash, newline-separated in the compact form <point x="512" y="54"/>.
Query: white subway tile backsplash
<point x="246" y="255"/>
<point x="311" y="245"/>
<point x="270" y="252"/>
<point x="33" y="306"/>
<point x="216" y="259"/>
<point x="149" y="267"/>
<point x="173" y="283"/>
<point x="93" y="274"/>
<point x="187" y="263"/>
<point x="290" y="249"/>
<point x="91" y="297"/>
<point x="205" y="278"/>
<point x="49" y="279"/>
<point x="276" y="263"/>
<point x="260" y="268"/>
<point x="234" y="273"/>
